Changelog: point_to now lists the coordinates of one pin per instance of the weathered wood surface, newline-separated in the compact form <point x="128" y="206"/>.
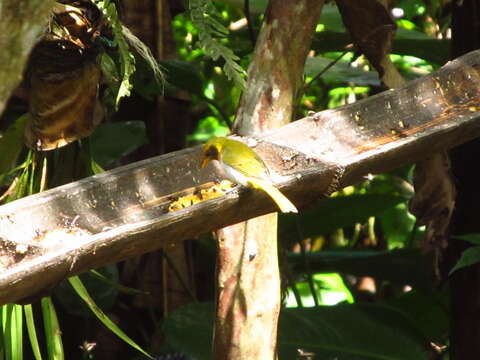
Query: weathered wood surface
<point x="123" y="209"/>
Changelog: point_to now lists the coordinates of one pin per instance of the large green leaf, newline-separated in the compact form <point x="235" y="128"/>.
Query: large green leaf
<point x="428" y="311"/>
<point x="189" y="330"/>
<point x="397" y="225"/>
<point x="433" y="50"/>
<point x="111" y="141"/>
<point x="357" y="331"/>
<point x="11" y="143"/>
<point x="340" y="72"/>
<point x="336" y="212"/>
<point x="410" y="267"/>
<point x="184" y="75"/>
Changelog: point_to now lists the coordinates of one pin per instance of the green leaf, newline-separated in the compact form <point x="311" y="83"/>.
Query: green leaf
<point x="115" y="284"/>
<point x="112" y="141"/>
<point x="32" y="331"/>
<point x="357" y="331"/>
<point x="194" y="318"/>
<point x="184" y="75"/>
<point x="256" y="6"/>
<point x="11" y="144"/>
<point x="126" y="58"/>
<point x="207" y="128"/>
<point x="341" y="72"/>
<point x="336" y="212"/>
<point x="432" y="50"/>
<point x="331" y="19"/>
<point x="12" y="326"/>
<point x="53" y="333"/>
<point x="469" y="257"/>
<point x="471" y="238"/>
<point x="428" y="311"/>
<point x="83" y="293"/>
<point x="109" y="68"/>
<point x="103" y="295"/>
<point x="145" y="82"/>
<point x="399" y="266"/>
<point x="397" y="225"/>
<point x="204" y="16"/>
<point x="330" y="290"/>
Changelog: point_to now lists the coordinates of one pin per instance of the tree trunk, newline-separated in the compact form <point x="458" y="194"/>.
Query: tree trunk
<point x="248" y="274"/>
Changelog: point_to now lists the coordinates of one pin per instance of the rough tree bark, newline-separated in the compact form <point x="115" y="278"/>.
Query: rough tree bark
<point x="248" y="299"/>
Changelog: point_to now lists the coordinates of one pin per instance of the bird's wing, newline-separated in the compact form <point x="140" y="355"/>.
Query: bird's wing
<point x="250" y="164"/>
<point x="283" y="203"/>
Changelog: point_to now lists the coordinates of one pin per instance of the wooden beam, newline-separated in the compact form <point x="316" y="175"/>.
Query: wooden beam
<point x="123" y="212"/>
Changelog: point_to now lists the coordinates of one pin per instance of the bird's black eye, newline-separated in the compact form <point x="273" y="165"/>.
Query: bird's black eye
<point x="212" y="152"/>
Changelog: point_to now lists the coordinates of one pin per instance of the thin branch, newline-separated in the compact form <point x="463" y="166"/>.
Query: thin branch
<point x="246" y="11"/>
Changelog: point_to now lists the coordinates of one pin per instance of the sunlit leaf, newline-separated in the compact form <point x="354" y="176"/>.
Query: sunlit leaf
<point x="126" y="58"/>
<point x="12" y="326"/>
<point x="204" y="16"/>
<point x="83" y="293"/>
<point x="397" y="225"/>
<point x="53" y="334"/>
<point x="32" y="332"/>
<point x="103" y="295"/>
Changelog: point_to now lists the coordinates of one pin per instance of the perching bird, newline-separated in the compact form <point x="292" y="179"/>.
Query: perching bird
<point x="243" y="166"/>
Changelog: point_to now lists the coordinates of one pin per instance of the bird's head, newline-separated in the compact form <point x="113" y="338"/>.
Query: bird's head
<point x="211" y="151"/>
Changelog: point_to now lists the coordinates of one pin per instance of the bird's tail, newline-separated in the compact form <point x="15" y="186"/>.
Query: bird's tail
<point x="281" y="200"/>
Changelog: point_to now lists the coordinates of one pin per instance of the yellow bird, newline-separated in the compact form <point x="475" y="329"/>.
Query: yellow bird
<point x="243" y="166"/>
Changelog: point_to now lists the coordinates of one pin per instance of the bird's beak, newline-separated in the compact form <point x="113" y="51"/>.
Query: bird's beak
<point x="205" y="161"/>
